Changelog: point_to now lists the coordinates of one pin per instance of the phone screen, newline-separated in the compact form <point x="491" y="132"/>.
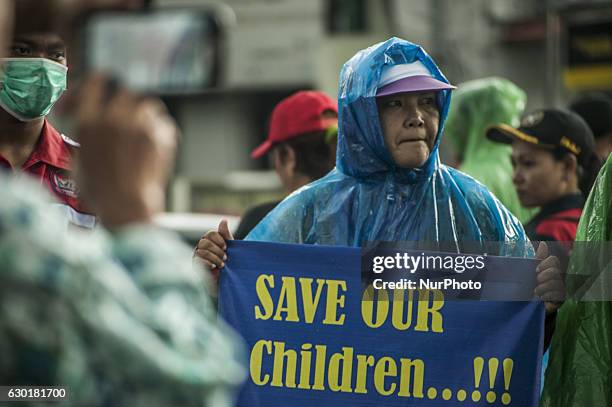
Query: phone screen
<point x="162" y="52"/>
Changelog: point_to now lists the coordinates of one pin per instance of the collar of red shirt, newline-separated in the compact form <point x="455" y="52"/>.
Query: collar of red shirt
<point x="51" y="149"/>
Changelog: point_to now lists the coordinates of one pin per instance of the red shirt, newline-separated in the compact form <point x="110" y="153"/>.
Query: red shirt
<point x="50" y="164"/>
<point x="557" y="221"/>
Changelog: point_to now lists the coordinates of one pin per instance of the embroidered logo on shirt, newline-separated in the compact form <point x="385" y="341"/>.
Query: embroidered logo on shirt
<point x="69" y="141"/>
<point x="65" y="185"/>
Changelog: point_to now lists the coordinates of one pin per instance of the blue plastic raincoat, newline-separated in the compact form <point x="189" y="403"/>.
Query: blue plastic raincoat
<point x="368" y="198"/>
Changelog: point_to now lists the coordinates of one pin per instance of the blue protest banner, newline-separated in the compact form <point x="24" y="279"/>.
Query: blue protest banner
<point x="316" y="338"/>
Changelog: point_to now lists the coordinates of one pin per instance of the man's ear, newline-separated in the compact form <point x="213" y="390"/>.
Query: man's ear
<point x="284" y="157"/>
<point x="290" y="159"/>
<point x="275" y="158"/>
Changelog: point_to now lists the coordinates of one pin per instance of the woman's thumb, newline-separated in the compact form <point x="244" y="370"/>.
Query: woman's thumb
<point x="542" y="251"/>
<point x="224" y="230"/>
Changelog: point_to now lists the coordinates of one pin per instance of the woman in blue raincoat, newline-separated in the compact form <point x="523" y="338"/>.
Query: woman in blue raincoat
<point x="368" y="196"/>
<point x="389" y="183"/>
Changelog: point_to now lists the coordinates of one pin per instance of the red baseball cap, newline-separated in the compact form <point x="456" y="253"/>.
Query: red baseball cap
<point x="298" y="114"/>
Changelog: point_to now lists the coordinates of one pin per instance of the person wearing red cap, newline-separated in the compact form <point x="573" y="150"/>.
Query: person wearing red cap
<point x="302" y="147"/>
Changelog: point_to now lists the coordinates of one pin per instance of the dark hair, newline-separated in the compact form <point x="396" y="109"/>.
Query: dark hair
<point x="587" y="170"/>
<point x="315" y="154"/>
<point x="596" y="110"/>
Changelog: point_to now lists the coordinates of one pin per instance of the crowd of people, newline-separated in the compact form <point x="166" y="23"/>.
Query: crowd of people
<point x="98" y="299"/>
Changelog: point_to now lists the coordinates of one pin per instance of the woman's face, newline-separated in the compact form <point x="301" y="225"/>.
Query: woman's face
<point x="409" y="123"/>
<point x="538" y="178"/>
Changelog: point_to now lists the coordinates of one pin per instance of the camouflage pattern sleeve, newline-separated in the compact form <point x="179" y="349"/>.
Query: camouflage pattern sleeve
<point x="119" y="319"/>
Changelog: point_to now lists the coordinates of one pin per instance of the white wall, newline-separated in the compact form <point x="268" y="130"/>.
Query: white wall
<point x="474" y="49"/>
<point x="269" y="50"/>
<point x="216" y="133"/>
<point x="220" y="129"/>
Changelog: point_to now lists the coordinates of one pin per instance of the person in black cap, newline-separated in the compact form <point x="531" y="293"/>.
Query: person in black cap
<point x="554" y="167"/>
<point x="596" y="110"/>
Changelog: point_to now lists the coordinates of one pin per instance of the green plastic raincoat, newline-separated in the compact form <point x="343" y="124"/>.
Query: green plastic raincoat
<point x="580" y="369"/>
<point x="477" y="105"/>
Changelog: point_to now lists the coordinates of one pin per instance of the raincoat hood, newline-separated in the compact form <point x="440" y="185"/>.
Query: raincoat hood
<point x="368" y="198"/>
<point x="478" y="105"/>
<point x="361" y="147"/>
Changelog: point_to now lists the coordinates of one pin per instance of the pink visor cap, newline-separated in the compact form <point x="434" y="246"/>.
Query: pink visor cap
<point x="413" y="77"/>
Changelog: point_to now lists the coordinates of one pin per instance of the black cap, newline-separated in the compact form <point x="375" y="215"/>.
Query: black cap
<point x="552" y="129"/>
<point x="596" y="110"/>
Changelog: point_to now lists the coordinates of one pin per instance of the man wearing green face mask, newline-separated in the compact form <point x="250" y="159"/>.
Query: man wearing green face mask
<point x="32" y="79"/>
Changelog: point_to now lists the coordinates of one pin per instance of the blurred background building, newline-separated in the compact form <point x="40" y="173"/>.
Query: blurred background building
<point x="222" y="65"/>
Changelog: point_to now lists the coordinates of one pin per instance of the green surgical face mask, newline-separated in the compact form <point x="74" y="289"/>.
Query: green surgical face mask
<point x="29" y="87"/>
